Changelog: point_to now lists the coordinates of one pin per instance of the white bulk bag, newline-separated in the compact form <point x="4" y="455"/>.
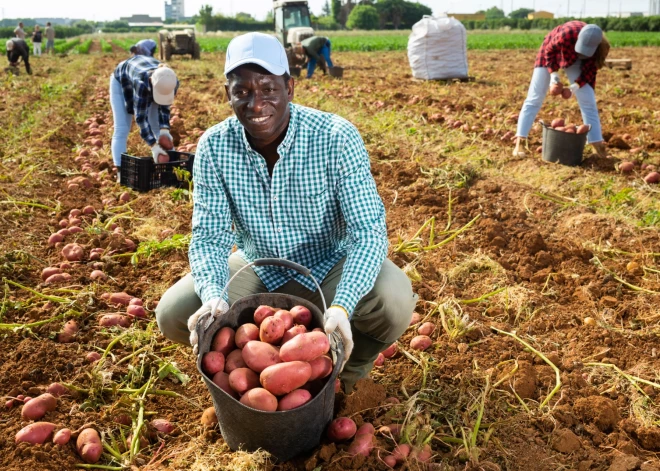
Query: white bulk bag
<point x="437" y="49"/>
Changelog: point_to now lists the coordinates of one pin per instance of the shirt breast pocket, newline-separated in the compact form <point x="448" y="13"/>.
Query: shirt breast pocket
<point x="313" y="206"/>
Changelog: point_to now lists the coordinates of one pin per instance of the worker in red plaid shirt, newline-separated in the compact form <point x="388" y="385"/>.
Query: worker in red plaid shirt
<point x="580" y="49"/>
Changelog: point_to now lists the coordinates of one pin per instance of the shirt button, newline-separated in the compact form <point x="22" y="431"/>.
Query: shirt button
<point x="274" y="197"/>
<point x="279" y="229"/>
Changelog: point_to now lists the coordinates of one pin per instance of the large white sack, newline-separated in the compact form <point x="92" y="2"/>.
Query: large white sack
<point x="437" y="49"/>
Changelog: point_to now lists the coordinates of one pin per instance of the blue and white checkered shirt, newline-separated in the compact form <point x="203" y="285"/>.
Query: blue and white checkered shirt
<point x="320" y="205"/>
<point x="133" y="75"/>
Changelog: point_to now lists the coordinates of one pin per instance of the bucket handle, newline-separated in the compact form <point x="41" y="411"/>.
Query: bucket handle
<point x="280" y="262"/>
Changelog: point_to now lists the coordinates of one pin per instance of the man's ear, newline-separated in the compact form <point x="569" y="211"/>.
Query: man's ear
<point x="227" y="92"/>
<point x="290" y="89"/>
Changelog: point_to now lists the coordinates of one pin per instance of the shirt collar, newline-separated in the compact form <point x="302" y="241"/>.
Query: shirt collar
<point x="290" y="133"/>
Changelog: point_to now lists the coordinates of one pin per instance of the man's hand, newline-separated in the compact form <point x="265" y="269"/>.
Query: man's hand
<point x="160" y="156"/>
<point x="165" y="139"/>
<point x="336" y="319"/>
<point x="206" y="314"/>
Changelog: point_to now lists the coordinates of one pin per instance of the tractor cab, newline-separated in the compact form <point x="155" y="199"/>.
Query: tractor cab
<point x="293" y="24"/>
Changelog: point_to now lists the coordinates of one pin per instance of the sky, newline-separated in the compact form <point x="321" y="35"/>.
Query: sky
<point x="114" y="9"/>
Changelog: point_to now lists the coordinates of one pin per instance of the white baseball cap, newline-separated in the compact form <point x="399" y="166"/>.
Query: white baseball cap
<point x="257" y="48"/>
<point x="164" y="82"/>
<point x="10" y="45"/>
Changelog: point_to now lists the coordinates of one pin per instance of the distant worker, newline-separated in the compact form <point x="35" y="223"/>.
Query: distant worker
<point x="17" y="49"/>
<point x="146" y="47"/>
<point x="19" y="32"/>
<point x="580" y="49"/>
<point x="316" y="48"/>
<point x="142" y="87"/>
<point x="50" y="39"/>
<point x="36" y="41"/>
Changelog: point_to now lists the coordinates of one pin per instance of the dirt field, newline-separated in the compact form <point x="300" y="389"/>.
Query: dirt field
<point x="565" y="258"/>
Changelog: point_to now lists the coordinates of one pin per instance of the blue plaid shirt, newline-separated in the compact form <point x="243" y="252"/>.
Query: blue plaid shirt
<point x="133" y="75"/>
<point x="320" y="205"/>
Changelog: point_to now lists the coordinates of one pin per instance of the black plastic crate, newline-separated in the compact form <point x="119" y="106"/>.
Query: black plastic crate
<point x="142" y="174"/>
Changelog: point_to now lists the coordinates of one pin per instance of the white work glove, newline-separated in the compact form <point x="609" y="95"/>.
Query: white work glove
<point x="157" y="150"/>
<point x="554" y="78"/>
<point x="336" y="319"/>
<point x="574" y="87"/>
<point x="164" y="132"/>
<point x="205" y="314"/>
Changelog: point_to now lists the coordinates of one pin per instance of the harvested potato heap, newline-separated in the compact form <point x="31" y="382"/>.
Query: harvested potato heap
<point x="558" y="125"/>
<point x="275" y="364"/>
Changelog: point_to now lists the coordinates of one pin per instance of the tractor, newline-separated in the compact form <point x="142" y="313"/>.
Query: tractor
<point x="178" y="42"/>
<point x="293" y="24"/>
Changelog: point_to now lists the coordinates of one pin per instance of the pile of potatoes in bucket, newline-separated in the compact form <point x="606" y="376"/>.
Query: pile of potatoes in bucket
<point x="273" y="364"/>
<point x="559" y="125"/>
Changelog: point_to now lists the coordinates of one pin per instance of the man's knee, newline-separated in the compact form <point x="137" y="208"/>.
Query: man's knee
<point x="175" y="307"/>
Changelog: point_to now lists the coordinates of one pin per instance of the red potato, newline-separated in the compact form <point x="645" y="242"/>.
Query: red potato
<point x="391" y="431"/>
<point x="341" y="429"/>
<point x="390" y="461"/>
<point x="426" y="328"/>
<point x="263" y="312"/>
<point x="73" y="252"/>
<point x="96" y="142"/>
<point x="626" y="167"/>
<point x="136" y="302"/>
<point x="365" y="429"/>
<point x="69" y="331"/>
<point x="242" y="380"/>
<point x="213" y="362"/>
<point x="165" y="143"/>
<point x="62" y="437"/>
<point x="83" y="152"/>
<point x="421" y="342"/>
<point x="57" y="390"/>
<point x="49" y="271"/>
<point x="88" y="210"/>
<point x="125" y="197"/>
<point x="27" y="399"/>
<point x="92" y="357"/>
<point x="401" y="452"/>
<point x="36" y="433"/>
<point x="556" y="89"/>
<point x="246" y="333"/>
<point x="163" y="426"/>
<point x="136" y="311"/>
<point x="321" y="367"/>
<point x="415" y="318"/>
<point x="582" y="129"/>
<point x="292" y="332"/>
<point x="55" y="238"/>
<point x="74" y="213"/>
<point x="260" y="399"/>
<point x="392" y="400"/>
<point x="120" y="298"/>
<point x="286" y="317"/>
<point x="129" y="245"/>
<point x="566" y="93"/>
<point x="285" y="377"/>
<point x="539" y="150"/>
<point x="59" y="278"/>
<point x="390" y="351"/>
<point x="260" y="355"/>
<point x="294" y="399"/>
<point x="422" y="455"/>
<point x="305" y="347"/>
<point x="221" y="379"/>
<point x="337" y="385"/>
<point x="223" y="341"/>
<point x="64" y="232"/>
<point x="234" y="360"/>
<point x="98" y="275"/>
<point x="271" y="330"/>
<point x="380" y="360"/>
<point x="361" y="445"/>
<point x="75" y="229"/>
<point x="560" y="129"/>
<point x="570" y="129"/>
<point x="111" y="320"/>
<point x="653" y="177"/>
<point x="557" y="123"/>
<point x="75" y="221"/>
<point x="37" y="407"/>
<point x="89" y="445"/>
<point x="64" y="223"/>
<point x="9" y="404"/>
<point x="301" y="315"/>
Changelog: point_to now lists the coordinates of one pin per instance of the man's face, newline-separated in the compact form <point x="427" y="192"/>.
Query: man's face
<point x="260" y="101"/>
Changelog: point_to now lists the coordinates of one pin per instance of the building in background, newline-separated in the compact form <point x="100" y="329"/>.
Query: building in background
<point x="142" y="21"/>
<point x="654" y="7"/>
<point x="540" y="14"/>
<point x="175" y="10"/>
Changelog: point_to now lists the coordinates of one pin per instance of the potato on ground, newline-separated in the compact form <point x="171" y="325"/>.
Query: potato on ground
<point x="209" y="418"/>
<point x="285" y="377"/>
<point x="390" y="351"/>
<point x="294" y="399"/>
<point x="62" y="437"/>
<point x="242" y="380"/>
<point x="35" y="433"/>
<point x="260" y="355"/>
<point x="260" y="399"/>
<point x="163" y="426"/>
<point x="421" y="342"/>
<point x="341" y="429"/>
<point x="246" y="333"/>
<point x="37" y="407"/>
<point x="89" y="445"/>
<point x="223" y="341"/>
<point x="363" y="442"/>
<point x="305" y="347"/>
<point x="69" y="331"/>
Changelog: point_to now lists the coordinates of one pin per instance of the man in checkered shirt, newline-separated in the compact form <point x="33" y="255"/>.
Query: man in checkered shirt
<point x="283" y="181"/>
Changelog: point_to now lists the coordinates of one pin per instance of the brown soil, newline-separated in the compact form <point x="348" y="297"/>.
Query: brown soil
<point x="541" y="248"/>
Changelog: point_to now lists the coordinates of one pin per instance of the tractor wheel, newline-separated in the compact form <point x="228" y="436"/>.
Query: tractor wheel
<point x="196" y="52"/>
<point x="168" y="51"/>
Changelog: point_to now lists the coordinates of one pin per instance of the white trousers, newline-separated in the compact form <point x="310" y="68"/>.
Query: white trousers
<point x="538" y="89"/>
<point x="36" y="49"/>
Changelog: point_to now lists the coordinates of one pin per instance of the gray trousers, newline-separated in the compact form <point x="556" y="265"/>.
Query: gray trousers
<point x="379" y="319"/>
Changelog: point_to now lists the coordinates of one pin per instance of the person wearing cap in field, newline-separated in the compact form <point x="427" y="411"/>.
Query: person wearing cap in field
<point x="317" y="48"/>
<point x="144" y="88"/>
<point x="280" y="180"/>
<point x="18" y="49"/>
<point x="145" y="47"/>
<point x="580" y="49"/>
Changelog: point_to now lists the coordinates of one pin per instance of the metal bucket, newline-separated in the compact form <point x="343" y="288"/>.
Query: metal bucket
<point x="563" y="147"/>
<point x="283" y="434"/>
<point x="337" y="72"/>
